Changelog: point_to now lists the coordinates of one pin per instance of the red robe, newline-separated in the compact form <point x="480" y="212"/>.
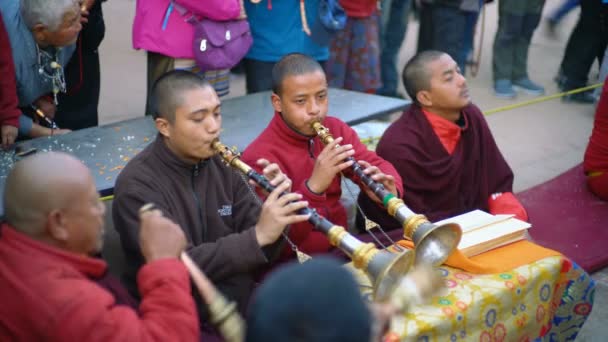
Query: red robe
<point x="9" y="111"/>
<point x="48" y="294"/>
<point x="596" y="155"/>
<point x="447" y="169"/>
<point x="295" y="154"/>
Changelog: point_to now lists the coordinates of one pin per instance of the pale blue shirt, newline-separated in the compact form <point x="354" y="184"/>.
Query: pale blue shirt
<point x="30" y="84"/>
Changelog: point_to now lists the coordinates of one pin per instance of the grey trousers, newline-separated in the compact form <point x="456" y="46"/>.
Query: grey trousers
<point x="517" y="20"/>
<point x="157" y="65"/>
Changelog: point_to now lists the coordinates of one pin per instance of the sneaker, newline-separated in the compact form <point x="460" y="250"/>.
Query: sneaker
<point x="585" y="97"/>
<point x="566" y="84"/>
<point x="504" y="89"/>
<point x="528" y="86"/>
<point x="561" y="81"/>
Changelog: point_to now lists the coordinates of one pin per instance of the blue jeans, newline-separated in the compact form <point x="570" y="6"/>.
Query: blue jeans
<point x="442" y="28"/>
<point x="393" y="26"/>
<point x="517" y="20"/>
<point x="469" y="34"/>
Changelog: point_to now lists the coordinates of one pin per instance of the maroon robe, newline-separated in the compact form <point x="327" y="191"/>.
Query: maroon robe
<point x="437" y="184"/>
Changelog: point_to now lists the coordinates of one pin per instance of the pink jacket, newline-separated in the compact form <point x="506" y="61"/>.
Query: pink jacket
<point x="159" y="27"/>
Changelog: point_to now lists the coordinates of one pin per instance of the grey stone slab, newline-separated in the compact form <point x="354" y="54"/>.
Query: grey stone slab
<point x="107" y="149"/>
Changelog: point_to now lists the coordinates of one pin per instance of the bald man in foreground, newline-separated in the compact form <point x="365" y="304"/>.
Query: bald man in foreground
<point x="50" y="287"/>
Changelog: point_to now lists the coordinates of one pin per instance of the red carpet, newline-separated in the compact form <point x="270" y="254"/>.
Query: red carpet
<point x="567" y="217"/>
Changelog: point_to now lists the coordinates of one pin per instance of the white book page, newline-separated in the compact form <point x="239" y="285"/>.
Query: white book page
<point x="492" y="231"/>
<point x="474" y="220"/>
<point x="481" y="248"/>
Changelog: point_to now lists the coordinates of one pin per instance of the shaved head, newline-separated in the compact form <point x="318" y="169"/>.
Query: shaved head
<point x="40" y="184"/>
<point x="294" y="64"/>
<point x="168" y="90"/>
<point x="416" y="74"/>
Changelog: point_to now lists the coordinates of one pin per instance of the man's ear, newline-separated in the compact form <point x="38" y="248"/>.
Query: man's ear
<point x="162" y="125"/>
<point x="276" y="102"/>
<point x="40" y="33"/>
<point x="424" y="98"/>
<point x="55" y="226"/>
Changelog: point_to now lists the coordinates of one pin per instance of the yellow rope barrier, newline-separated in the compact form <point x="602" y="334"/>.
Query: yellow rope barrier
<point x="486" y="113"/>
<point x="369" y="140"/>
<point x="542" y="99"/>
<point x="518" y="105"/>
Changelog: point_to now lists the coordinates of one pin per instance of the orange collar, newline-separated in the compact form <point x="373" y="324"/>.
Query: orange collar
<point x="447" y="131"/>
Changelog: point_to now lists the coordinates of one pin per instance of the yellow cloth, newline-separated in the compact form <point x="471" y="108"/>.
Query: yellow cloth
<point x="501" y="259"/>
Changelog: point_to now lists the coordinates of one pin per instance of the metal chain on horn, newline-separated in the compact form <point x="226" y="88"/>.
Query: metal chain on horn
<point x="302" y="257"/>
<point x="369" y="224"/>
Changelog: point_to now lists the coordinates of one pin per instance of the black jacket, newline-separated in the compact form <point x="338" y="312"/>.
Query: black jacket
<point x="211" y="203"/>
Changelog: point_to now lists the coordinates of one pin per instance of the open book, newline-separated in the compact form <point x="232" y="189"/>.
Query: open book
<point x="482" y="232"/>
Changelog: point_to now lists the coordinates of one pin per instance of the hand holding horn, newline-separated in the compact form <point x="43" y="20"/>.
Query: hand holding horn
<point x="159" y="237"/>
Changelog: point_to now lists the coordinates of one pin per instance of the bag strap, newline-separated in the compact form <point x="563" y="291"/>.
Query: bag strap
<point x="189" y="16"/>
<point x="243" y="14"/>
<point x="305" y="26"/>
<point x="180" y="8"/>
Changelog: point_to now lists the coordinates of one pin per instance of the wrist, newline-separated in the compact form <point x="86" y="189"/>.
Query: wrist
<point x="394" y="191"/>
<point x="261" y="237"/>
<point x="313" y="188"/>
<point x="159" y="256"/>
<point x="39" y="131"/>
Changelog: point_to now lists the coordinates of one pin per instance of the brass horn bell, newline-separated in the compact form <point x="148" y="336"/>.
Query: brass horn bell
<point x="433" y="244"/>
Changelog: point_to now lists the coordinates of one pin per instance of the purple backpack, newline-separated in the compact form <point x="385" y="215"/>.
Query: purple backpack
<point x="220" y="39"/>
<point x="220" y="44"/>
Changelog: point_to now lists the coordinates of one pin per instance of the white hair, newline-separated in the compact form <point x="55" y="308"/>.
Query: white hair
<point x="49" y="13"/>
